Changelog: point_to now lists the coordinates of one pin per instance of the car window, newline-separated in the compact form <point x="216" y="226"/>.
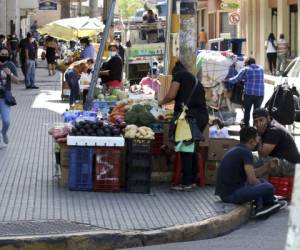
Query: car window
<point x="296" y="69"/>
<point x="288" y="70"/>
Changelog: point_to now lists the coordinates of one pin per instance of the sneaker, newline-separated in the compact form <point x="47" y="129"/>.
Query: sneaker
<point x="34" y="87"/>
<point x="283" y="204"/>
<point x="265" y="212"/>
<point x="5" y="138"/>
<point x="177" y="188"/>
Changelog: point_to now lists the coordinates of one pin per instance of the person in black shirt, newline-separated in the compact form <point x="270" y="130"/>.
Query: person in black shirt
<point x="111" y="72"/>
<point x="276" y="141"/>
<point x="13" y="43"/>
<point x="181" y="87"/>
<point x="237" y="180"/>
<point x="121" y="50"/>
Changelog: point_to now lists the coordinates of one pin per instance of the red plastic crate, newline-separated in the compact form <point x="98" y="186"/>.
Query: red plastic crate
<point x="157" y="143"/>
<point x="283" y="185"/>
<point x="107" y="169"/>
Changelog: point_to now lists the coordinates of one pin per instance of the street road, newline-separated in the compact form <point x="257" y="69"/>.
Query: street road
<point x="258" y="235"/>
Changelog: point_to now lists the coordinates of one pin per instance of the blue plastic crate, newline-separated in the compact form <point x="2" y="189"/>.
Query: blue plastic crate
<point x="71" y="115"/>
<point x="157" y="127"/>
<point x="102" y="105"/>
<point x="81" y="168"/>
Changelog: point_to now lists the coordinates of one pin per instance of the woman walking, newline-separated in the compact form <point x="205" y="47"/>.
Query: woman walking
<point x="183" y="84"/>
<point x="6" y="77"/>
<point x="51" y="48"/>
<point x="271" y="50"/>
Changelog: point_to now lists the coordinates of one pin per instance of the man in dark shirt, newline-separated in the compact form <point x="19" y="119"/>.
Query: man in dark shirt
<point x="13" y="43"/>
<point x="121" y="50"/>
<point x="27" y="57"/>
<point x="276" y="141"/>
<point x="237" y="180"/>
<point x="111" y="72"/>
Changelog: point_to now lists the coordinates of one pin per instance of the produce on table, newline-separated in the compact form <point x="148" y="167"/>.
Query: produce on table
<point x="139" y="115"/>
<point x="134" y="132"/>
<point x="98" y="128"/>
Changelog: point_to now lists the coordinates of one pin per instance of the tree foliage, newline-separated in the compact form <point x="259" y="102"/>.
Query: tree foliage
<point x="129" y="7"/>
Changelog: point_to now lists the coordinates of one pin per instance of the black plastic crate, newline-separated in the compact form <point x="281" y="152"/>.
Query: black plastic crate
<point x="138" y="187"/>
<point x="139" y="160"/>
<point x="138" y="174"/>
<point x="139" y="146"/>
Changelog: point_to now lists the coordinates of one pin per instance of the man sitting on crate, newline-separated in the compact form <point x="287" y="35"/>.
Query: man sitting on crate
<point x="276" y="141"/>
<point x="237" y="180"/>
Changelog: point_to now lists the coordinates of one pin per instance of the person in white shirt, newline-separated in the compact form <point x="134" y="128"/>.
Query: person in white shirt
<point x="282" y="54"/>
<point x="271" y="50"/>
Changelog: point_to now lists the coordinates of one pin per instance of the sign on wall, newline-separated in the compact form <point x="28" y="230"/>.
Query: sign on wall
<point x="230" y="5"/>
<point x="47" y="4"/>
<point x="234" y="18"/>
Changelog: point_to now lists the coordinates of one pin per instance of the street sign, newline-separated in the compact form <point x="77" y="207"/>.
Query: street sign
<point x="234" y="18"/>
<point x="47" y="5"/>
<point x="230" y="5"/>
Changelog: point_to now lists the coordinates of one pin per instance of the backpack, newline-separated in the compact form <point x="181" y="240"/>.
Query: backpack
<point x="281" y="105"/>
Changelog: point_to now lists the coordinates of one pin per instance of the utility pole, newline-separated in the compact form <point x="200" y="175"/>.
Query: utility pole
<point x="94" y="8"/>
<point x="188" y="34"/>
<point x="293" y="236"/>
<point x="65" y="8"/>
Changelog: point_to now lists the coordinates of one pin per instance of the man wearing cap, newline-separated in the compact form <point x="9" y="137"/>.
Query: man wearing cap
<point x="277" y="142"/>
<point x="253" y="77"/>
<point x="111" y="72"/>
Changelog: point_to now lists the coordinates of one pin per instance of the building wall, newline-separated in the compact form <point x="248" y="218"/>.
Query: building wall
<point x="47" y="16"/>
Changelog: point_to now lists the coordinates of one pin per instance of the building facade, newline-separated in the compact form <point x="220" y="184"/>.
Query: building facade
<point x="258" y="18"/>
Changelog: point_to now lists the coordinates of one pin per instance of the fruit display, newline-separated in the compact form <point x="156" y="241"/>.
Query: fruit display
<point x="98" y="128"/>
<point x="140" y="115"/>
<point x="134" y="132"/>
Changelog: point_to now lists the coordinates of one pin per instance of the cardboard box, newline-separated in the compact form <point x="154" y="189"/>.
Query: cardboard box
<point x="205" y="143"/>
<point x="211" y="168"/>
<point x="165" y="83"/>
<point x="218" y="147"/>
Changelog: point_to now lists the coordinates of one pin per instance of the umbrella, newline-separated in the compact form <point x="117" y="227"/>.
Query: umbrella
<point x="73" y="28"/>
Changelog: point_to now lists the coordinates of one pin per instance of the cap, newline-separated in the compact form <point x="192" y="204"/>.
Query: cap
<point x="260" y="112"/>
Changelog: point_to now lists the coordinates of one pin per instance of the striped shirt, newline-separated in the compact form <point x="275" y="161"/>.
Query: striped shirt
<point x="282" y="47"/>
<point x="253" y="75"/>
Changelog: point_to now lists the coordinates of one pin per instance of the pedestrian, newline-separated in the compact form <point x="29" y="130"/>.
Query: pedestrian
<point x="111" y="72"/>
<point x="88" y="51"/>
<point x="271" y="50"/>
<point x="72" y="77"/>
<point x="202" y="39"/>
<point x="254" y="87"/>
<point x="13" y="46"/>
<point x="2" y="41"/>
<point x="282" y="54"/>
<point x="152" y="33"/>
<point x="22" y="56"/>
<point x="29" y="53"/>
<point x="151" y="80"/>
<point x="238" y="182"/>
<point x="183" y="83"/>
<point x="121" y="49"/>
<point x="6" y="77"/>
<point x="276" y="141"/>
<point x="33" y="30"/>
<point x="51" y="49"/>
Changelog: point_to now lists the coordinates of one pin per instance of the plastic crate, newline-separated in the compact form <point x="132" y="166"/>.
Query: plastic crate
<point x="283" y="185"/>
<point x="139" y="146"/>
<point x="139" y="160"/>
<point x="138" y="174"/>
<point x="80" y="168"/>
<point x="157" y="143"/>
<point x="107" y="169"/>
<point x="102" y="105"/>
<point x="138" y="186"/>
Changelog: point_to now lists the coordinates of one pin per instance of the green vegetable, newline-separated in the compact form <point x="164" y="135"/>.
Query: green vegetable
<point x="138" y="108"/>
<point x="147" y="119"/>
<point x="131" y="117"/>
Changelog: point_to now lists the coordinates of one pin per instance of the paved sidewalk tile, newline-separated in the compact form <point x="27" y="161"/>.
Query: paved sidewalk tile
<point x="30" y="193"/>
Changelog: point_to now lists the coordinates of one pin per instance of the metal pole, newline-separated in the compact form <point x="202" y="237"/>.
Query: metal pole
<point x="99" y="59"/>
<point x="168" y="37"/>
<point x="293" y="236"/>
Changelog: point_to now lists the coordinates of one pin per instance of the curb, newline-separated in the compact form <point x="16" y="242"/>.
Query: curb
<point x="111" y="239"/>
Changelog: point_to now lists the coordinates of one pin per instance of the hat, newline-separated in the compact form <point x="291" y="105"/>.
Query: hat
<point x="260" y="112"/>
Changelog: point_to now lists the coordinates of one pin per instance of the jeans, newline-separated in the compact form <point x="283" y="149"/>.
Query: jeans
<point x="262" y="193"/>
<point x="281" y="63"/>
<point x="74" y="91"/>
<point x="202" y="45"/>
<point x="272" y="61"/>
<point x="5" y="116"/>
<point x="189" y="168"/>
<point x="30" y="73"/>
<point x="250" y="100"/>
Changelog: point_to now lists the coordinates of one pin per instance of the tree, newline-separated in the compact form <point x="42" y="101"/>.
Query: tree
<point x="65" y="8"/>
<point x="129" y="7"/>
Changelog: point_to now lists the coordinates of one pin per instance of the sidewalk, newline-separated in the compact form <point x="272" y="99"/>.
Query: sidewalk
<point x="35" y="209"/>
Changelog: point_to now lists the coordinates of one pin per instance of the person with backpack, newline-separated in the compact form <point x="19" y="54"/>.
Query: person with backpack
<point x="271" y="50"/>
<point x="254" y="87"/>
<point x="13" y="46"/>
<point x="277" y="142"/>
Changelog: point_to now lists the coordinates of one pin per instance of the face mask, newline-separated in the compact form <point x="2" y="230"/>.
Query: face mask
<point x="4" y="58"/>
<point x="112" y="53"/>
